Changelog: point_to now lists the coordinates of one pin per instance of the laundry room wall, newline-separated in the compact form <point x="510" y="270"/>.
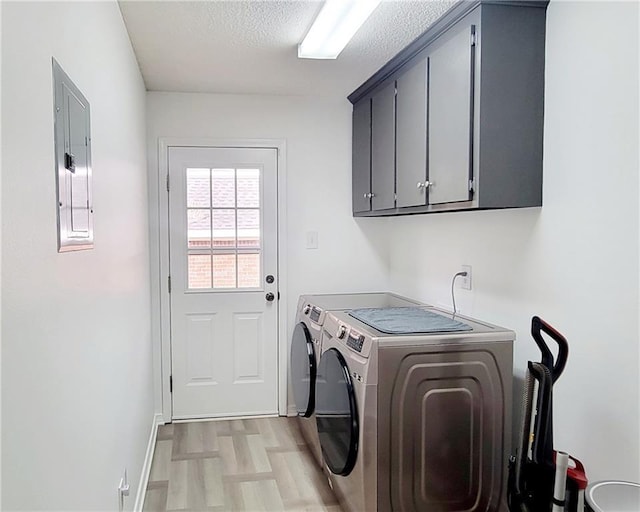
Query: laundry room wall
<point x="574" y="262"/>
<point x="77" y="396"/>
<point x="352" y="254"/>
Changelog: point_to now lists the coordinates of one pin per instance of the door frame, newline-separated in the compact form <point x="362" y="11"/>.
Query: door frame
<point x="159" y="253"/>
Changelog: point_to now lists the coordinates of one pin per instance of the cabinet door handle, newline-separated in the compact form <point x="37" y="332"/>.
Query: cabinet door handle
<point x="368" y="195"/>
<point x="426" y="184"/>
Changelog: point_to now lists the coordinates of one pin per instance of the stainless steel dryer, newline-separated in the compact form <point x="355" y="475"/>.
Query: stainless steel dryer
<point x="305" y="348"/>
<point x="416" y="422"/>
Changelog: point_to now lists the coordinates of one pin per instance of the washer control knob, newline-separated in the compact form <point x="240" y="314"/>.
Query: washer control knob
<point x="341" y="332"/>
<point x="306" y="309"/>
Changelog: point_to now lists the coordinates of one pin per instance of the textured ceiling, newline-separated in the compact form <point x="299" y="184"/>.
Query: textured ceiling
<point x="250" y="47"/>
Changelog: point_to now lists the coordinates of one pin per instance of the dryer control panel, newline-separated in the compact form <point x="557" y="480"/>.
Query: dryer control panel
<point x="313" y="312"/>
<point x="355" y="340"/>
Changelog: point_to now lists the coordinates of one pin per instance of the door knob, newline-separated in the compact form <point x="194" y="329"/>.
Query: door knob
<point x="269" y="279"/>
<point x="270" y="296"/>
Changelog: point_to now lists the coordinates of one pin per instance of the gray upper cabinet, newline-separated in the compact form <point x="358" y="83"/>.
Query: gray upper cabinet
<point x="411" y="136"/>
<point x="451" y="118"/>
<point x="361" y="164"/>
<point x="457" y="117"/>
<point x="383" y="129"/>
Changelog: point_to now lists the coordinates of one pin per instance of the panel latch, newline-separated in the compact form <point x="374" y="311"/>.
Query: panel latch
<point x="70" y="162"/>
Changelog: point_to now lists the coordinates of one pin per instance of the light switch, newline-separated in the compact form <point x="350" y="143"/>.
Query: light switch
<point x="312" y="239"/>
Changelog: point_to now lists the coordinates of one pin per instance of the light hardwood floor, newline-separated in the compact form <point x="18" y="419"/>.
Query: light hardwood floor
<point x="247" y="465"/>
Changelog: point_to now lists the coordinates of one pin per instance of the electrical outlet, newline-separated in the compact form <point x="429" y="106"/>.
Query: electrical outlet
<point x="123" y="490"/>
<point x="465" y="281"/>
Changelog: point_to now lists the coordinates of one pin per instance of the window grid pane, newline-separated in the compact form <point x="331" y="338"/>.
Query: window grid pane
<point x="198" y="189"/>
<point x="249" y="227"/>
<point x="223" y="188"/>
<point x="224" y="228"/>
<point x="199" y="271"/>
<point x="249" y="270"/>
<point x="248" y="186"/>
<point x="224" y="270"/>
<point x="198" y="228"/>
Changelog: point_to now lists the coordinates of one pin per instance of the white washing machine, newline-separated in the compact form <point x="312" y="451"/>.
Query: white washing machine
<point x="415" y="422"/>
<point x="306" y="344"/>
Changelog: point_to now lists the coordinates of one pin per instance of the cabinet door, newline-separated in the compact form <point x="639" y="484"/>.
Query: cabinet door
<point x="361" y="163"/>
<point x="411" y="136"/>
<point x="451" y="76"/>
<point x="383" y="172"/>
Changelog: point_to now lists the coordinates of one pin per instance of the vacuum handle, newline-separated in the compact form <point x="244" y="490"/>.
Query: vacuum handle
<point x="537" y="326"/>
<point x="542" y="445"/>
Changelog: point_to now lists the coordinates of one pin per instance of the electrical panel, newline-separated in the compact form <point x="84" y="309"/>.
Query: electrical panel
<point x="73" y="164"/>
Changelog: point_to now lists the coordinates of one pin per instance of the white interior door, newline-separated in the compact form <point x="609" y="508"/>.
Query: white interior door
<point x="224" y="293"/>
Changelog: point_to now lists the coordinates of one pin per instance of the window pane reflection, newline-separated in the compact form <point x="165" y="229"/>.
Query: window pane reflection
<point x="249" y="270"/>
<point x="249" y="228"/>
<point x="224" y="228"/>
<point x="199" y="271"/>
<point x="224" y="270"/>
<point x="199" y="229"/>
<point x="198" y="189"/>
<point x="223" y="188"/>
<point x="248" y="188"/>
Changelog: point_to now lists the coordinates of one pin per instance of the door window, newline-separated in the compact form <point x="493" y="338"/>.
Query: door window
<point x="224" y="228"/>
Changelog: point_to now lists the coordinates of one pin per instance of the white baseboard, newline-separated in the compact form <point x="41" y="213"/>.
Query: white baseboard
<point x="291" y="410"/>
<point x="148" y="459"/>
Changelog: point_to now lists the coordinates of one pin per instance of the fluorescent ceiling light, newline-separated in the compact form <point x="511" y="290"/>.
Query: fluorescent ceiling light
<point x="334" y="27"/>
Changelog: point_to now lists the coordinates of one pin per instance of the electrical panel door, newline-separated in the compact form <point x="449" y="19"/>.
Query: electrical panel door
<point x="73" y="164"/>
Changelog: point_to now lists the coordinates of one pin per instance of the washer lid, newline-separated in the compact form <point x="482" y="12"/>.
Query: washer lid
<point x="613" y="496"/>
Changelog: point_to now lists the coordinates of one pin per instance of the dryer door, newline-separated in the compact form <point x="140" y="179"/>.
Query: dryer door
<point x="336" y="413"/>
<point x="303" y="370"/>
